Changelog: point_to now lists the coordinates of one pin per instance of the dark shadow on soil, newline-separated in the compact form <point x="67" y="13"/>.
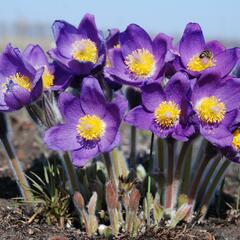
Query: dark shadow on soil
<point x="8" y="188"/>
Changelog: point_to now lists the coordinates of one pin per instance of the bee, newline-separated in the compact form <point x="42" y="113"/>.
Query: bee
<point x="206" y="54"/>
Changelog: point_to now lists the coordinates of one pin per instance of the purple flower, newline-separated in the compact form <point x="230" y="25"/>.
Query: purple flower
<point x="54" y="77"/>
<point x="197" y="56"/>
<point x="165" y="111"/>
<point x="232" y="151"/>
<point x="139" y="58"/>
<point x="91" y="124"/>
<point x="216" y="104"/>
<point x="20" y="83"/>
<point x="81" y="49"/>
<point x="112" y="42"/>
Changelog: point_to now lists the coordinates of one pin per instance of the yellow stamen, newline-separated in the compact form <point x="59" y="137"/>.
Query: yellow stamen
<point x="85" y="50"/>
<point x="91" y="127"/>
<point x="236" y="139"/>
<point x="47" y="78"/>
<point x="140" y="62"/>
<point x="167" y="114"/>
<point x="198" y="63"/>
<point x="20" y="80"/>
<point x="211" y="110"/>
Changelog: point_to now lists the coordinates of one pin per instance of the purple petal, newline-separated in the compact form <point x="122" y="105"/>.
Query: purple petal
<point x="113" y="38"/>
<point x="192" y="42"/>
<point x="139" y="118"/>
<point x="134" y="37"/>
<point x="70" y="107"/>
<point x="121" y="102"/>
<point x="152" y="95"/>
<point x="161" y="44"/>
<point x="112" y="120"/>
<point x="92" y="98"/>
<point x="218" y="136"/>
<point x="81" y="156"/>
<point x="88" y="28"/>
<point x="225" y="62"/>
<point x="62" y="137"/>
<point x="62" y="78"/>
<point x="35" y="55"/>
<point x="215" y="47"/>
<point x="177" y="87"/>
<point x="65" y="34"/>
<point x="37" y="85"/>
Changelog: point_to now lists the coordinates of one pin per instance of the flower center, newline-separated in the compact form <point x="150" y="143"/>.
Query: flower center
<point x="47" y="78"/>
<point x="20" y="80"/>
<point x="211" y="110"/>
<point x="91" y="127"/>
<point x="236" y="139"/>
<point x="140" y="62"/>
<point x="201" y="61"/>
<point x="85" y="50"/>
<point x="167" y="114"/>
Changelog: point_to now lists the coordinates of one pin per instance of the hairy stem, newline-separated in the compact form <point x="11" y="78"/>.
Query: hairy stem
<point x="160" y="155"/>
<point x="108" y="164"/>
<point x="17" y="170"/>
<point x="70" y="171"/>
<point x="179" y="169"/>
<point x="170" y="171"/>
<point x="207" y="178"/>
<point x="208" y="196"/>
<point x="197" y="179"/>
<point x="133" y="147"/>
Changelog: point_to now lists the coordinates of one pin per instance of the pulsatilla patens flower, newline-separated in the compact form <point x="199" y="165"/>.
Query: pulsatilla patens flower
<point x="165" y="111"/>
<point x="54" y="77"/>
<point x="232" y="151"/>
<point x="91" y="124"/>
<point x="20" y="83"/>
<point x="80" y="49"/>
<point x="199" y="57"/>
<point x="216" y="104"/>
<point x="137" y="58"/>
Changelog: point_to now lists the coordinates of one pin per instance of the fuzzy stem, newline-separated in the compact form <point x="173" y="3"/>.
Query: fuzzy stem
<point x="208" y="177"/>
<point x="170" y="171"/>
<point x="208" y="196"/>
<point x="133" y="147"/>
<point x="116" y="163"/>
<point x="17" y="170"/>
<point x="108" y="164"/>
<point x="197" y="179"/>
<point x="179" y="169"/>
<point x="70" y="171"/>
<point x="160" y="154"/>
<point x="187" y="170"/>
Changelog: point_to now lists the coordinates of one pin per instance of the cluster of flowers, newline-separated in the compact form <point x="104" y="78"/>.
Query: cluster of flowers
<point x="186" y="89"/>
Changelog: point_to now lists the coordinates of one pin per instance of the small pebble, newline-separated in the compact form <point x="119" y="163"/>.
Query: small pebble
<point x="30" y="231"/>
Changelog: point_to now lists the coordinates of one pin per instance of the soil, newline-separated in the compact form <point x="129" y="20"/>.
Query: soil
<point x="14" y="221"/>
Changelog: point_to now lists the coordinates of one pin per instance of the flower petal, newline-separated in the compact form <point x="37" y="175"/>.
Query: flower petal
<point x="191" y="43"/>
<point x="62" y="137"/>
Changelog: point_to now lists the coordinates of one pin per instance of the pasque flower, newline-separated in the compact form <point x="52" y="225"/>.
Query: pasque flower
<point x="112" y="42"/>
<point x="165" y="111"/>
<point x="137" y="58"/>
<point x="216" y="104"/>
<point x="198" y="57"/>
<point x="54" y="77"/>
<point x="20" y="83"/>
<point x="90" y="123"/>
<point x="81" y="49"/>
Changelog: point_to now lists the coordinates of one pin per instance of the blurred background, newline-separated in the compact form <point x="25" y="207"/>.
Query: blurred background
<point x="29" y="21"/>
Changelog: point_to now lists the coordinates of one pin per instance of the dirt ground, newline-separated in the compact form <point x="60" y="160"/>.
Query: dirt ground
<point x="14" y="222"/>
